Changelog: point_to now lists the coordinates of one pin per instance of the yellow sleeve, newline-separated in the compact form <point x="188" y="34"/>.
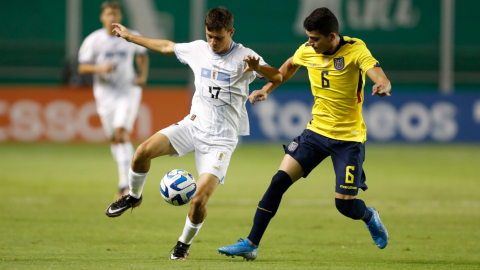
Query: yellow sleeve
<point x="298" y="56"/>
<point x="365" y="60"/>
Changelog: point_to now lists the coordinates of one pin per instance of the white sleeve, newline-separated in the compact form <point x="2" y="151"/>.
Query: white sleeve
<point x="139" y="49"/>
<point x="261" y="63"/>
<point x="86" y="54"/>
<point x="185" y="51"/>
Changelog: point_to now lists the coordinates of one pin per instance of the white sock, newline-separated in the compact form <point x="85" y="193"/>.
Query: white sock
<point x="190" y="231"/>
<point x="136" y="181"/>
<point x="123" y="155"/>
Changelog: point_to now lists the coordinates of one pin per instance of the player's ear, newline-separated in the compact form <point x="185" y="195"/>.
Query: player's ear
<point x="232" y="31"/>
<point x="332" y="35"/>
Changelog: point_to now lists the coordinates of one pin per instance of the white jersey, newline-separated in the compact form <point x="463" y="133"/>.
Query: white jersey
<point x="100" y="48"/>
<point x="221" y="87"/>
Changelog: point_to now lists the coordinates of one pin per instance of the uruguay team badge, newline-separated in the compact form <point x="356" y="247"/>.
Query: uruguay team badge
<point x="292" y="146"/>
<point x="339" y="63"/>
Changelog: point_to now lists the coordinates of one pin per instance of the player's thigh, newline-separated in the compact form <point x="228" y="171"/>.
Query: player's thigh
<point x="308" y="150"/>
<point x="126" y="108"/>
<point x="214" y="161"/>
<point x="347" y="159"/>
<point x="106" y="118"/>
<point x="155" y="146"/>
<point x="291" y="167"/>
<point x="181" y="137"/>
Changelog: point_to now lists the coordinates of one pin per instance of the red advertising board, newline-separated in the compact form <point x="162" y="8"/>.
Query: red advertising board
<point x="64" y="114"/>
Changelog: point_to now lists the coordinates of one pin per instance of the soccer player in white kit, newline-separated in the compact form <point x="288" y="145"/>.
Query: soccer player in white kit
<point x="117" y="89"/>
<point x="223" y="70"/>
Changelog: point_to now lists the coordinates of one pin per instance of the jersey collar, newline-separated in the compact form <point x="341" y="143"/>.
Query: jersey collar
<point x="342" y="42"/>
<point x="229" y="50"/>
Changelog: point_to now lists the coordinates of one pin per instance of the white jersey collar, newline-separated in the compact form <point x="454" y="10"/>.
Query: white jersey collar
<point x="229" y="50"/>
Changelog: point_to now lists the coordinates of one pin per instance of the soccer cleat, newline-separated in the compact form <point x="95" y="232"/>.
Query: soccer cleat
<point x="242" y="248"/>
<point x="117" y="208"/>
<point x="180" y="251"/>
<point x="377" y="229"/>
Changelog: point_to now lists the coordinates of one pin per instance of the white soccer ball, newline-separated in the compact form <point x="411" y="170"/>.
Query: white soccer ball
<point x="178" y="187"/>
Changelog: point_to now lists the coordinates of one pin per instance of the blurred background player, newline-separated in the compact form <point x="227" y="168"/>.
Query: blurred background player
<point x="223" y="70"/>
<point x="337" y="66"/>
<point x="117" y="87"/>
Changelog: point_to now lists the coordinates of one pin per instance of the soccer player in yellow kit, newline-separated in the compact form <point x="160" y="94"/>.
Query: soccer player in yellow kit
<point x="337" y="66"/>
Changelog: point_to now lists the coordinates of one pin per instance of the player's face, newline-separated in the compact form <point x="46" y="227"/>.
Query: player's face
<point x="319" y="42"/>
<point x="220" y="40"/>
<point x="109" y="16"/>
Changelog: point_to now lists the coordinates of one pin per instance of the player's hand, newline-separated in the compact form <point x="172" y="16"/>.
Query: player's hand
<point x="381" y="89"/>
<point x="140" y="80"/>
<point x="257" y="95"/>
<point x="121" y="31"/>
<point x="252" y="63"/>
<point x="105" y="68"/>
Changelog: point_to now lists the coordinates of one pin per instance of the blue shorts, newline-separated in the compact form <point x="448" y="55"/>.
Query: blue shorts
<point x="311" y="148"/>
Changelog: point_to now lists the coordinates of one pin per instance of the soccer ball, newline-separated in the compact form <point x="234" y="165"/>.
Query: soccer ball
<point x="178" y="187"/>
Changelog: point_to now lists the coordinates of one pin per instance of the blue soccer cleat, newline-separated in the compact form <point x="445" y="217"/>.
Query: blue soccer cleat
<point x="377" y="230"/>
<point x="242" y="248"/>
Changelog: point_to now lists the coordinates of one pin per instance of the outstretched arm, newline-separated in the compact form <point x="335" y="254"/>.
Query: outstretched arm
<point x="159" y="45"/>
<point x="287" y="70"/>
<point x="253" y="64"/>
<point x="382" y="85"/>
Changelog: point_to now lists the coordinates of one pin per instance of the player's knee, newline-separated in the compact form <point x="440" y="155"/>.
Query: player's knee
<point x="199" y="203"/>
<point x="120" y="135"/>
<point x="281" y="181"/>
<point x="142" y="153"/>
<point x="350" y="208"/>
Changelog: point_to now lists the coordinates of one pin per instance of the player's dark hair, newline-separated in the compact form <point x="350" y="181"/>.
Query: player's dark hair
<point x="218" y="18"/>
<point x="111" y="4"/>
<point x="322" y="20"/>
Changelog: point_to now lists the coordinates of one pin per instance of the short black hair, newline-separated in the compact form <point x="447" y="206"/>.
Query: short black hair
<point x="111" y="4"/>
<point x="218" y="18"/>
<point x="322" y="20"/>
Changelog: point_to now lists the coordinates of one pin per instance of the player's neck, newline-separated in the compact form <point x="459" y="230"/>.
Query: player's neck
<point x="109" y="30"/>
<point x="227" y="48"/>
<point x="335" y="44"/>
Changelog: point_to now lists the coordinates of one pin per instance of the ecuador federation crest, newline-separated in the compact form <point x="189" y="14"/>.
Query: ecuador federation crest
<point x="339" y="63"/>
<point x="292" y="146"/>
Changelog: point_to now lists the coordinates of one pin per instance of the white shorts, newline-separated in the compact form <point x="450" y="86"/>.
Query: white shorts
<point x="118" y="108"/>
<point x="212" y="153"/>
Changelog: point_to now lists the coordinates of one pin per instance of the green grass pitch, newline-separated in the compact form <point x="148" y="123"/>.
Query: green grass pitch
<point x="53" y="199"/>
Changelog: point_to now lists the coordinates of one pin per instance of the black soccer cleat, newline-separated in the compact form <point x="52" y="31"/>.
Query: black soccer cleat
<point x="180" y="251"/>
<point x="117" y="208"/>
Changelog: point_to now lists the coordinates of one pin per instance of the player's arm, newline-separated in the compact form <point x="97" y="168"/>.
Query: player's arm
<point x="253" y="64"/>
<point x="142" y="61"/>
<point x="159" y="45"/>
<point x="287" y="70"/>
<point x="84" y="68"/>
<point x="382" y="85"/>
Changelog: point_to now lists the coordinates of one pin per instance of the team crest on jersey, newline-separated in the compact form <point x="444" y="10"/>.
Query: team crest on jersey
<point x="292" y="146"/>
<point x="339" y="63"/>
<point x="221" y="155"/>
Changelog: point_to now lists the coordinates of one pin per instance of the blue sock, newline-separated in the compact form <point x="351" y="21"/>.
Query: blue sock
<point x="268" y="206"/>
<point x="354" y="209"/>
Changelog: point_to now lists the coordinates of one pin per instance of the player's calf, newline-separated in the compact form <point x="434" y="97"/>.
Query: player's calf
<point x="354" y="209"/>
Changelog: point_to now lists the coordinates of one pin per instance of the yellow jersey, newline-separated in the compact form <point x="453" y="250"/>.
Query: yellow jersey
<point x="337" y="82"/>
